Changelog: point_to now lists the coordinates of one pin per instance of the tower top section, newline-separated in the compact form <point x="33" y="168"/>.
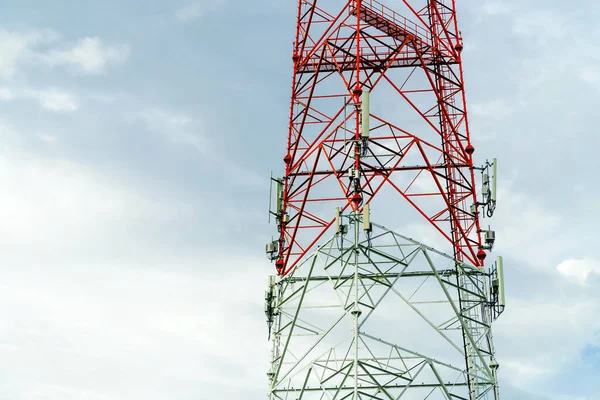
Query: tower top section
<point x="378" y="116"/>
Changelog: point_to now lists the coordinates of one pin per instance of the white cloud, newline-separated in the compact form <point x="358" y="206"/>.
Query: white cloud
<point x="164" y="120"/>
<point x="72" y="314"/>
<point x="579" y="270"/>
<point x="50" y="139"/>
<point x="50" y="99"/>
<point x="89" y="55"/>
<point x="56" y="100"/>
<point x="6" y="94"/>
<point x="589" y="74"/>
<point x="496" y="8"/>
<point x="79" y="321"/>
<point x="18" y="47"/>
<point x="33" y="47"/>
<point x="523" y="372"/>
<point x="104" y="330"/>
<point x="12" y="48"/>
<point x="47" y="202"/>
<point x="541" y="337"/>
<point x="181" y="129"/>
<point x="544" y="26"/>
<point x="495" y="109"/>
<point x="177" y="127"/>
<point x="194" y="11"/>
<point x="83" y="325"/>
<point x="190" y="12"/>
<point x="64" y="209"/>
<point x="519" y="219"/>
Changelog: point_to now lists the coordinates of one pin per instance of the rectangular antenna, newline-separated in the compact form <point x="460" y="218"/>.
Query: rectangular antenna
<point x="367" y="217"/>
<point x="500" y="272"/>
<point x="494" y="174"/>
<point x="270" y="195"/>
<point x="279" y="195"/>
<point x="365" y="115"/>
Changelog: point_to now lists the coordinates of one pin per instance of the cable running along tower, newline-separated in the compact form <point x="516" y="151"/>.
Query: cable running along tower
<point x="379" y="159"/>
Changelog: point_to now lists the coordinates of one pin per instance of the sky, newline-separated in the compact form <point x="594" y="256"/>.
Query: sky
<point x="136" y="142"/>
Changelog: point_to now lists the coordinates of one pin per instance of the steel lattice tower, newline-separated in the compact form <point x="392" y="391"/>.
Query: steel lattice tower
<point x="378" y="122"/>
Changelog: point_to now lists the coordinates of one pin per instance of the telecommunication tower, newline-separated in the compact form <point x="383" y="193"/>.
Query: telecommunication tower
<point x="378" y="131"/>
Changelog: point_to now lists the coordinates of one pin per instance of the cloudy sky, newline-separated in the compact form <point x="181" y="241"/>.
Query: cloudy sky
<point x="137" y="139"/>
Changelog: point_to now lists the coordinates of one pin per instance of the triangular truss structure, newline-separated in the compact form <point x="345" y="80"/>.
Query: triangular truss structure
<point x="381" y="316"/>
<point x="378" y="119"/>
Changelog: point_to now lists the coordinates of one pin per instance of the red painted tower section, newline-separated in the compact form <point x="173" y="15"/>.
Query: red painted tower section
<point x="402" y="53"/>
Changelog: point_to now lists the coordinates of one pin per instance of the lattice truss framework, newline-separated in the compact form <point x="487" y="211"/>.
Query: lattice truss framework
<point x="382" y="317"/>
<point x="372" y="314"/>
<point x="419" y="147"/>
